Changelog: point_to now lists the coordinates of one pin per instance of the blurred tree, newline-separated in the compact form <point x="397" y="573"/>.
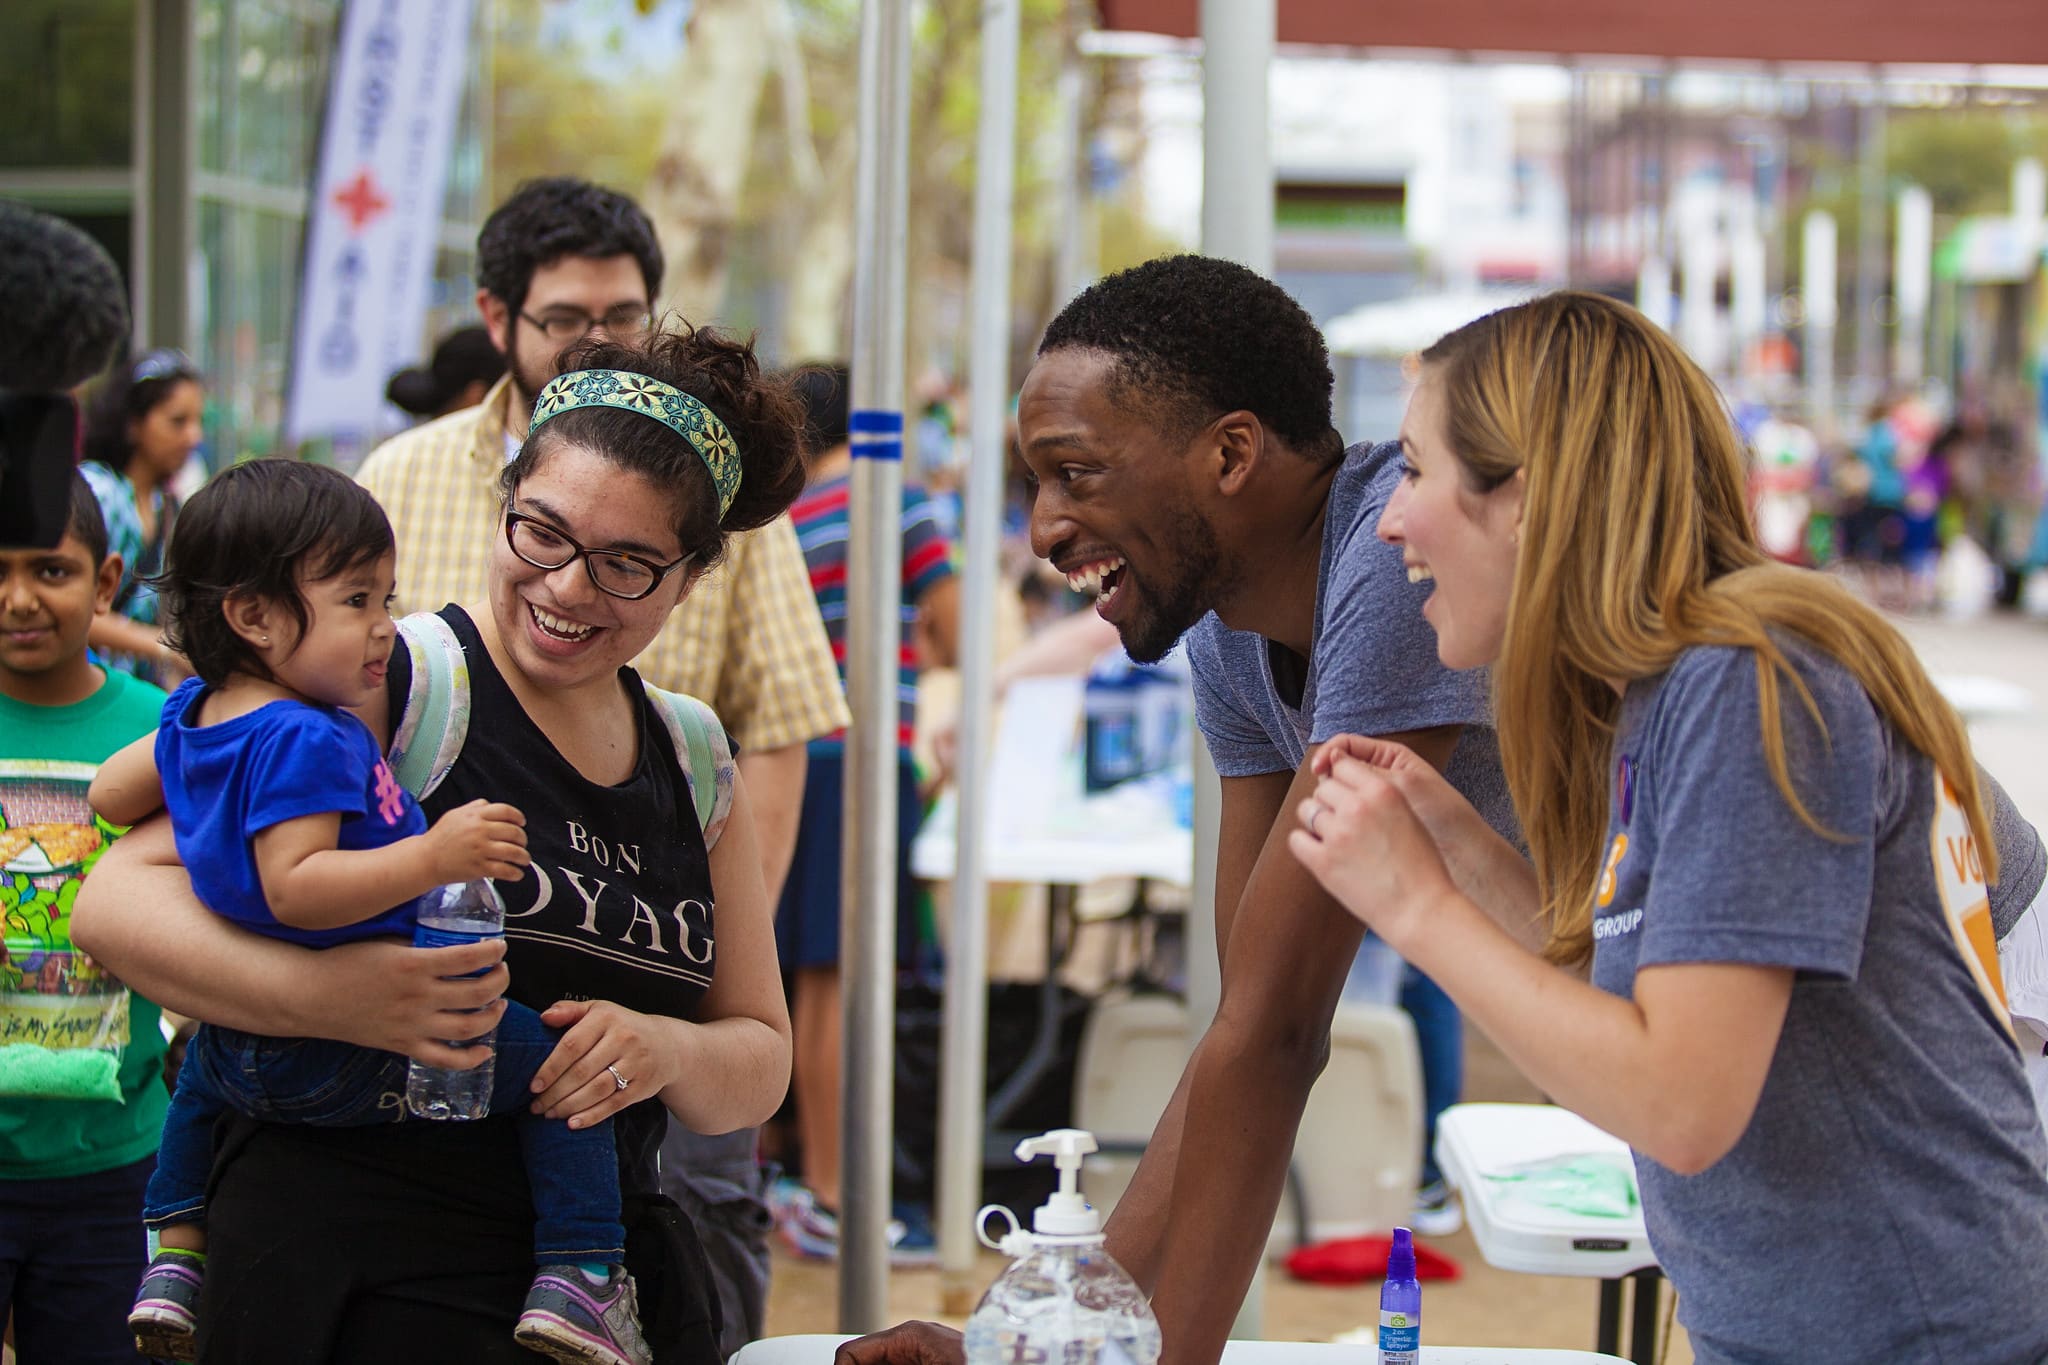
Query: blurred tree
<point x="1963" y="157"/>
<point x="555" y="114"/>
<point x="737" y="131"/>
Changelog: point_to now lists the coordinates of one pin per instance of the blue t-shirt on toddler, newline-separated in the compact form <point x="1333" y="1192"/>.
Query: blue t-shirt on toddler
<point x="225" y="784"/>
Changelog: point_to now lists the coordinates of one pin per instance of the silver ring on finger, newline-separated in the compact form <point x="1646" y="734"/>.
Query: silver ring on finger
<point x="1314" y="815"/>
<point x="617" y="1079"/>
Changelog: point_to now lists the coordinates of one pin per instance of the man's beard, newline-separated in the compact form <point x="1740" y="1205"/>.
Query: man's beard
<point x="1167" y="611"/>
<point x="525" y="384"/>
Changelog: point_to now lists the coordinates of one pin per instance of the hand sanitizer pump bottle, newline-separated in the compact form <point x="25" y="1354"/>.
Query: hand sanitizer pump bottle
<point x="1063" y="1301"/>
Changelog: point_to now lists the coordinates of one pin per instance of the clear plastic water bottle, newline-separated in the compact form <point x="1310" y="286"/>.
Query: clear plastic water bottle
<point x="1063" y="1301"/>
<point x="462" y="912"/>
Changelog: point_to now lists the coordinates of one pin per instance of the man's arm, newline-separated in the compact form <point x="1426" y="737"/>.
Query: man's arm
<point x="938" y="624"/>
<point x="775" y="779"/>
<point x="1193" y="1225"/>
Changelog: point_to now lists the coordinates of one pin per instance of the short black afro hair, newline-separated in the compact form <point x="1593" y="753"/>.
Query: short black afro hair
<point x="63" y="299"/>
<point x="1194" y="337"/>
<point x="546" y="220"/>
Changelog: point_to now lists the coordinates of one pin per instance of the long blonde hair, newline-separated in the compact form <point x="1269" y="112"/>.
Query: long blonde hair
<point x="1637" y="544"/>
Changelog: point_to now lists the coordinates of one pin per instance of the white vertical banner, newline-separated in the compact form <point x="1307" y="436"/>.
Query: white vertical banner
<point x="375" y="213"/>
<point x="1912" y="281"/>
<point x="1817" y="290"/>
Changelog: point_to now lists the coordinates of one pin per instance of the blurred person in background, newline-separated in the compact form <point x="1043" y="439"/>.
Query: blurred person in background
<point x="463" y="368"/>
<point x="808" y="919"/>
<point x="141" y="430"/>
<point x="559" y="261"/>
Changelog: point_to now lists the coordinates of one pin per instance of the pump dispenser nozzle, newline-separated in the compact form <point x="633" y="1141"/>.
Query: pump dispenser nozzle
<point x="1066" y="1214"/>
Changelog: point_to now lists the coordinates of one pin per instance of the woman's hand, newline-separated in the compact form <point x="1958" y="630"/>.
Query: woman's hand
<point x="603" y="1044"/>
<point x="393" y="997"/>
<point x="1369" y="848"/>
<point x="1461" y="834"/>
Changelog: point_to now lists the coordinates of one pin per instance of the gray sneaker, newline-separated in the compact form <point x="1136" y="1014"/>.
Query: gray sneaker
<point x="570" y="1319"/>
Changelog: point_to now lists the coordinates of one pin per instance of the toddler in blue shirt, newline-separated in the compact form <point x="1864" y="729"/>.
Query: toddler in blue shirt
<point x="292" y="825"/>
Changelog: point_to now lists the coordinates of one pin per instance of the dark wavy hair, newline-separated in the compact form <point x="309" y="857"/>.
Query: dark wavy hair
<point x="824" y="390"/>
<point x="123" y="399"/>
<point x="260" y="529"/>
<point x="720" y="370"/>
<point x="548" y="219"/>
<point x="1194" y="337"/>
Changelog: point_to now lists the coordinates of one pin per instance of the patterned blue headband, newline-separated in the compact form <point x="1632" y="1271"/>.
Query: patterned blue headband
<point x="686" y="416"/>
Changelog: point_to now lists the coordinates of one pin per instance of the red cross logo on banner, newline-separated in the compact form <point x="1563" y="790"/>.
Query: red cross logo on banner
<point x="360" y="200"/>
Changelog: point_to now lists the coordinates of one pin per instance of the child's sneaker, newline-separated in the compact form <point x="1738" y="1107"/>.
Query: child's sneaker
<point x="569" y="1318"/>
<point x="165" y="1317"/>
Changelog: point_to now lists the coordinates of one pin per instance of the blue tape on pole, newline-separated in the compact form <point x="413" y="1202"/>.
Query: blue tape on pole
<point x="875" y="434"/>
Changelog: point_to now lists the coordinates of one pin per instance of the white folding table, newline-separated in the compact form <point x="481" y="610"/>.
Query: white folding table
<point x="1478" y="1143"/>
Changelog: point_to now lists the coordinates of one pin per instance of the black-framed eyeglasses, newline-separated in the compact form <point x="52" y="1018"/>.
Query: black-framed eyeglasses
<point x="612" y="571"/>
<point x="573" y="324"/>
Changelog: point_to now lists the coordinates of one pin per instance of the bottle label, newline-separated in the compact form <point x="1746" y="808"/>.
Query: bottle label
<point x="1400" y="1338"/>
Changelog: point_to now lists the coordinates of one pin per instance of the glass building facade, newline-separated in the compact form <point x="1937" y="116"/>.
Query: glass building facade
<point x="183" y="135"/>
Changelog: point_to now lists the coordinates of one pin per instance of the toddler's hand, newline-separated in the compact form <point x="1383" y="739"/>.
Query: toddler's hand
<point x="481" y="839"/>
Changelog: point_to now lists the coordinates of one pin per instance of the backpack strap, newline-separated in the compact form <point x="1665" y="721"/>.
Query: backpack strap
<point x="436" y="720"/>
<point x="706" y="755"/>
<point x="430" y="734"/>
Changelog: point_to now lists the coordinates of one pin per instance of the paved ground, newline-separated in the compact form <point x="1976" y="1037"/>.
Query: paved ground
<point x="1495" y="1308"/>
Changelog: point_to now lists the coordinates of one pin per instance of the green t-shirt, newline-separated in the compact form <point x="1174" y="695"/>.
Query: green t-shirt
<point x="49" y="840"/>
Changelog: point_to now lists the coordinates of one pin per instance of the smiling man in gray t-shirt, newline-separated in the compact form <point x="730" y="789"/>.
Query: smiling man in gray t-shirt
<point x="1177" y="423"/>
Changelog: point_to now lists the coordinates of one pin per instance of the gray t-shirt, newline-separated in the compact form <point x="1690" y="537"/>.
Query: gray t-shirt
<point x="1887" y="1201"/>
<point x="2022" y="861"/>
<point x="1372" y="668"/>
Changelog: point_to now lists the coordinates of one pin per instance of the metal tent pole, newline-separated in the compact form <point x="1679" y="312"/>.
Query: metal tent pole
<point x="874" y="591"/>
<point x="961" y="1078"/>
<point x="1237" y="222"/>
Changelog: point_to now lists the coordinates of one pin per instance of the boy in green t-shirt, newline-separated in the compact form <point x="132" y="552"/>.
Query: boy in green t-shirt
<point x="72" y="1168"/>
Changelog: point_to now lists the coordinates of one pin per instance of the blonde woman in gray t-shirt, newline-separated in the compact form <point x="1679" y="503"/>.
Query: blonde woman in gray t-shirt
<point x="1756" y="820"/>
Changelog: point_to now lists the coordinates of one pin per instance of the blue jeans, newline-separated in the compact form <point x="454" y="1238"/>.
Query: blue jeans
<point x="1440" y="1037"/>
<point x="70" y="1256"/>
<point x="574" y="1171"/>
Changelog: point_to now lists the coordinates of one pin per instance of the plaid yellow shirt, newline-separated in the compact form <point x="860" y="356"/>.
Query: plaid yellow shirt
<point x="747" y="639"/>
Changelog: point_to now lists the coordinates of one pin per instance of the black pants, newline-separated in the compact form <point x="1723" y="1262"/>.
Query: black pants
<point x="71" y="1254"/>
<point x="407" y="1245"/>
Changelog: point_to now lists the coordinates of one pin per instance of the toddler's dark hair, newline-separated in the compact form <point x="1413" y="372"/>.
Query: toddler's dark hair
<point x="259" y="529"/>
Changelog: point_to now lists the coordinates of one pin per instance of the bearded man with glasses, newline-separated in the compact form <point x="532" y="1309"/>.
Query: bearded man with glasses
<point x="557" y="261"/>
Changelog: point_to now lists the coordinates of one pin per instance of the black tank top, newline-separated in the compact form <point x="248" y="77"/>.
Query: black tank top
<point x="618" y="903"/>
